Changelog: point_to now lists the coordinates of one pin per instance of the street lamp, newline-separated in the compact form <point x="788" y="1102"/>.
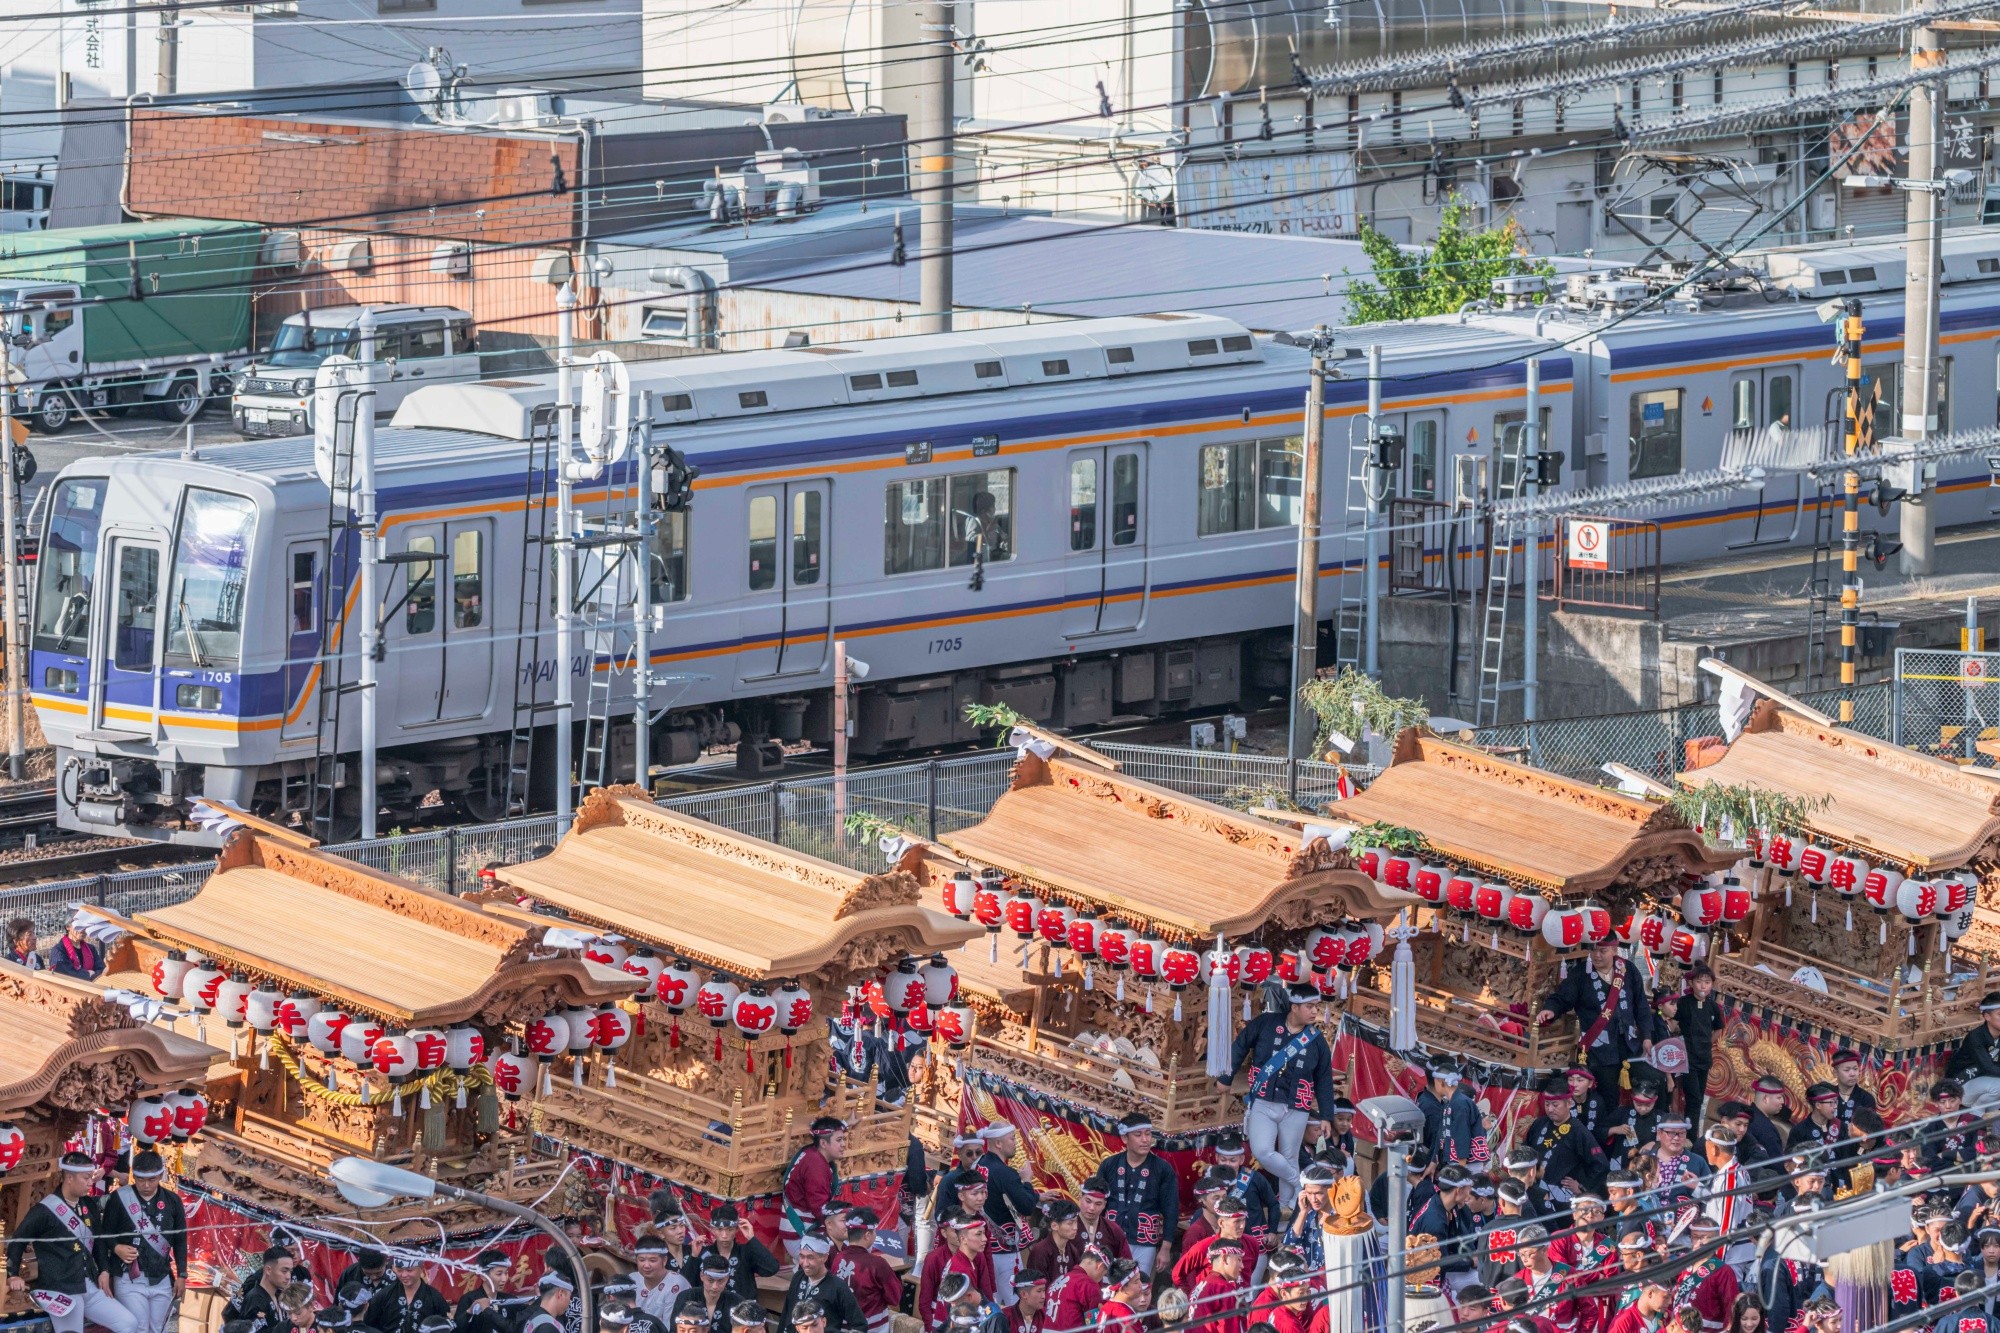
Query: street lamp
<point x="367" y="1184"/>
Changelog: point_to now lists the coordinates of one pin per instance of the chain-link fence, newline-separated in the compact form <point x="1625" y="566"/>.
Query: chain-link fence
<point x="1946" y="703"/>
<point x="939" y="796"/>
<point x="1656" y="742"/>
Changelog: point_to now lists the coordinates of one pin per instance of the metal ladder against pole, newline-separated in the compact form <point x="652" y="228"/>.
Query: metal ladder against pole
<point x="607" y="547"/>
<point x="535" y="546"/>
<point x="1499" y="582"/>
<point x="343" y="562"/>
<point x="1350" y="611"/>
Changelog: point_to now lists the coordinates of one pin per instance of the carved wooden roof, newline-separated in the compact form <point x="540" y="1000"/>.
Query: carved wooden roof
<point x="1894" y="803"/>
<point x="1522" y="823"/>
<point x="67" y="1048"/>
<point x="278" y="907"/>
<point x="728" y="901"/>
<point x="1089" y="836"/>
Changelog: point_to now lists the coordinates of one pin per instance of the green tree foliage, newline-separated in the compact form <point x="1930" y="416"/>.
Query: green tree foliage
<point x="1459" y="267"/>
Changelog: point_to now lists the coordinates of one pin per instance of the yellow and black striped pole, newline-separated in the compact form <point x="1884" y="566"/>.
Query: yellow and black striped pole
<point x="1850" y="532"/>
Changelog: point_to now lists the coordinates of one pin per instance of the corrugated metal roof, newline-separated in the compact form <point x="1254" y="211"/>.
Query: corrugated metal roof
<point x="1082" y="268"/>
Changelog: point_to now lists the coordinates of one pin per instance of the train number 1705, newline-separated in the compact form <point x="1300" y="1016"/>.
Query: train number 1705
<point x="946" y="645"/>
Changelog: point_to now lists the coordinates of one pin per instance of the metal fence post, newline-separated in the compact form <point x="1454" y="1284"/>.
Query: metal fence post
<point x="931" y="798"/>
<point x="451" y="860"/>
<point x="1896" y="701"/>
<point x="103" y="889"/>
<point x="777" y="815"/>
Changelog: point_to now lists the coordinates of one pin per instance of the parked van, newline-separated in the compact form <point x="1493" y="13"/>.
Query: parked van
<point x="422" y="344"/>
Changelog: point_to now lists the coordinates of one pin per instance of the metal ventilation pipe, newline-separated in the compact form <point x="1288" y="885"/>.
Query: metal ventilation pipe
<point x="704" y="303"/>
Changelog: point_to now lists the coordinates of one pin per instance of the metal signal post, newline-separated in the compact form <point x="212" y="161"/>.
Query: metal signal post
<point x="1850" y="531"/>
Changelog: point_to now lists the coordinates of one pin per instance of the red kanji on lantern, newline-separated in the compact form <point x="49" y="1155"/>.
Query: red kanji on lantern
<point x="1179" y="966"/>
<point x="13" y="1146"/>
<point x="548" y="1035"/>
<point x="1398" y="870"/>
<point x="609" y="1027"/>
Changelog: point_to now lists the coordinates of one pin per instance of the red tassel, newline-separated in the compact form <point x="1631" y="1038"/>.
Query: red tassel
<point x="749" y="1061"/>
<point x="788" y="1053"/>
<point x="718" y="1045"/>
<point x="674" y="1035"/>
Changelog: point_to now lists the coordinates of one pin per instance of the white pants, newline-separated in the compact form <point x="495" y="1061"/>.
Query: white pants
<point x="67" y="1311"/>
<point x="1004" y="1267"/>
<point x="149" y="1302"/>
<point x="1275" y="1133"/>
<point x="1145" y="1256"/>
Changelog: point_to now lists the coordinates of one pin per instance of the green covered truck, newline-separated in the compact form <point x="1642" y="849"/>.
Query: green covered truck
<point x="141" y="314"/>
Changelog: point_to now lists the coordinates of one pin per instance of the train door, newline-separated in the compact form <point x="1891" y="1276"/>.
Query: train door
<point x="305" y="575"/>
<point x="415" y="632"/>
<point x="468" y="630"/>
<point x="1104" y="577"/>
<point x="787" y="612"/>
<point x="1764" y="397"/>
<point x="124" y="701"/>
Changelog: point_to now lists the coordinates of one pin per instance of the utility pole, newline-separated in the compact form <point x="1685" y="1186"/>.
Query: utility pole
<point x="642" y="608"/>
<point x="1925" y="209"/>
<point x="371" y="559"/>
<point x="1850" y="523"/>
<point x="17" y="639"/>
<point x="1371" y="547"/>
<point x="565" y="551"/>
<point x="934" y="177"/>
<point x="1305" y="622"/>
<point x="170" y="51"/>
<point x="1531" y="637"/>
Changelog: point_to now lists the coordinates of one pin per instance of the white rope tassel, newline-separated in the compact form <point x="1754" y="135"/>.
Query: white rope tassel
<point x="576" y="1071"/>
<point x="396" y="1101"/>
<point x="1088" y="982"/>
<point x="993" y="946"/>
<point x="424" y="1096"/>
<point x="1056" y="963"/>
<point x="1177" y="1006"/>
<point x="611" y="1072"/>
<point x="264" y="1054"/>
<point x="459" y="1101"/>
<point x="548" y="1085"/>
<point x="1884" y="931"/>
<point x="1149" y="999"/>
<point x="332" y="1083"/>
<point x="1121" y="986"/>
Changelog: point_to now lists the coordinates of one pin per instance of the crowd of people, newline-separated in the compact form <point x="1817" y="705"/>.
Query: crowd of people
<point x="1626" y="1204"/>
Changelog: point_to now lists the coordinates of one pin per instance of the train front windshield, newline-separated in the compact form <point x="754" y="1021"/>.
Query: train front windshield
<point x="211" y="566"/>
<point x="68" y="566"/>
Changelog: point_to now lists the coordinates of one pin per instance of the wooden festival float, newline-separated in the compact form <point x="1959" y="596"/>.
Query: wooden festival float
<point x="1110" y="904"/>
<point x="749" y="948"/>
<point x="1868" y="918"/>
<point x="73" y="1059"/>
<point x="360" y="1015"/>
<point x="1516" y="871"/>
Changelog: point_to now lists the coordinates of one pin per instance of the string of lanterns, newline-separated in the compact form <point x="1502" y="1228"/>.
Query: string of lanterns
<point x="1091" y="939"/>
<point x="915" y="998"/>
<point x="441" y="1082"/>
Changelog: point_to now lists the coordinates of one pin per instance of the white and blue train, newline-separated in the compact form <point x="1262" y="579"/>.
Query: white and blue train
<point x="1080" y="519"/>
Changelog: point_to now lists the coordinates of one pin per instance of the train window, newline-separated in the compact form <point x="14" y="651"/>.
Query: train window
<point x="986" y="370"/>
<point x="902" y="379"/>
<point x="1423" y="461"/>
<point x="1778" y="400"/>
<point x="1118" y="356"/>
<point x="305" y="578"/>
<point x="1236" y="342"/>
<point x="67" y="569"/>
<point x="1655" y="438"/>
<point x="468" y="579"/>
<point x="763" y="542"/>
<point x="1056" y="367"/>
<point x="1124" y="499"/>
<point x="420" y="611"/>
<point x="463" y="338"/>
<point x="806" y="538"/>
<point x="1888" y="376"/>
<point x="1743" y="404"/>
<point x="1083" y="504"/>
<point x="1203" y="347"/>
<point x="211" y="570"/>
<point x="864" y="383"/>
<point x="669" y="562"/>
<point x="138" y="594"/>
<point x="939" y="521"/>
<point x="1252" y="484"/>
<point x="753" y="398"/>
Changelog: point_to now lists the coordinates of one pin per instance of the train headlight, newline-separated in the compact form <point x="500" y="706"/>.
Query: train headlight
<point x="206" y="698"/>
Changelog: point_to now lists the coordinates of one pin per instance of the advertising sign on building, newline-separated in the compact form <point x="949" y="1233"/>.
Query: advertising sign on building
<point x="1308" y="195"/>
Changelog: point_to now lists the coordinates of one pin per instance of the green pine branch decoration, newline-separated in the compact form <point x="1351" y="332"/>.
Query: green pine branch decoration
<point x="1352" y="699"/>
<point x="867" y="827"/>
<point x="1745" y="806"/>
<point x="995" y="715"/>
<point x="1391" y="838"/>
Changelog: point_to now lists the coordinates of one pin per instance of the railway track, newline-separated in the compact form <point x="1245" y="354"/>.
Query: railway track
<point x="25" y="810"/>
<point x="59" y="864"/>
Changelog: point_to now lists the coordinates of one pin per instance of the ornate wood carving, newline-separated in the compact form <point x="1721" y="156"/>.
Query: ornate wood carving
<point x="1598" y="800"/>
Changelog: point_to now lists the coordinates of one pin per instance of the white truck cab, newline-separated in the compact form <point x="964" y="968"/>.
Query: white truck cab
<point x="421" y="344"/>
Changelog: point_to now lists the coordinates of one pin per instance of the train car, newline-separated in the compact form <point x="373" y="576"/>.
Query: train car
<point x="1125" y="491"/>
<point x="1084" y="520"/>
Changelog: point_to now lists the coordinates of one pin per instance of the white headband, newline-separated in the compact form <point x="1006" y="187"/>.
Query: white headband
<point x="81" y="1168"/>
